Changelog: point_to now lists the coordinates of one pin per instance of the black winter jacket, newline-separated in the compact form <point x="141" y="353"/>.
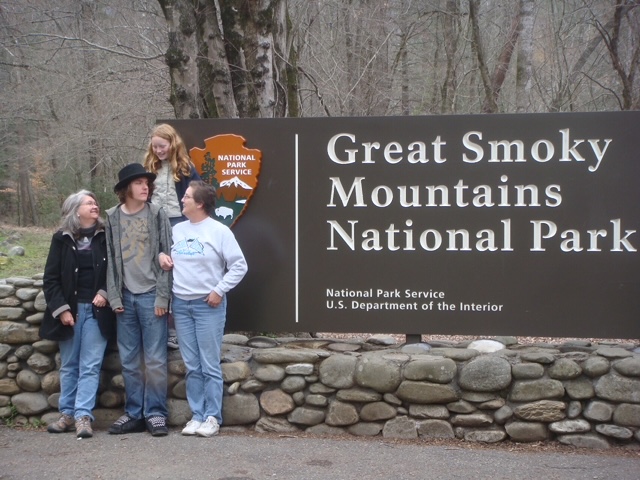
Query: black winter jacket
<point x="60" y="285"/>
<point x="183" y="184"/>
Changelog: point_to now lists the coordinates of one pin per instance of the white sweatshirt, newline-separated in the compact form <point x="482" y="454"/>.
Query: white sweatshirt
<point x="206" y="257"/>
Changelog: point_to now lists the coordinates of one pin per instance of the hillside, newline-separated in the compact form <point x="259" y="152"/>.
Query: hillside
<point x="35" y="241"/>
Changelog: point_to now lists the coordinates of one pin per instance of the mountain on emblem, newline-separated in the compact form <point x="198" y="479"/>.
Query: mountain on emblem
<point x="234" y="188"/>
<point x="232" y="169"/>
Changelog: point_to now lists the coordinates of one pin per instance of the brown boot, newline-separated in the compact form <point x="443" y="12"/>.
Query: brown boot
<point x="83" y="427"/>
<point x="64" y="424"/>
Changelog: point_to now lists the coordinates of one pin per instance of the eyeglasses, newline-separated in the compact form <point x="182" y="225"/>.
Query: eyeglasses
<point x="91" y="204"/>
<point x="186" y="196"/>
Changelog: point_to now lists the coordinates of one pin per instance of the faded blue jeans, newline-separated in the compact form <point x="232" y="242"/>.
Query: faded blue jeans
<point x="200" y="330"/>
<point x="80" y="361"/>
<point x="142" y="341"/>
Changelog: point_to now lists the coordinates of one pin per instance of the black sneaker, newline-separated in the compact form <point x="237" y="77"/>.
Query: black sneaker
<point x="157" y="425"/>
<point x="126" y="424"/>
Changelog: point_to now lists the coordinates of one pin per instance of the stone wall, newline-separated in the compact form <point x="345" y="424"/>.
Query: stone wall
<point x="577" y="393"/>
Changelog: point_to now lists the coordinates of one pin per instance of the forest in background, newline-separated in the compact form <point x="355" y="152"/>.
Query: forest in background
<point x="83" y="81"/>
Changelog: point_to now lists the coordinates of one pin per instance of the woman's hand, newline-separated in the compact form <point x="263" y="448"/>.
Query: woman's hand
<point x="213" y="299"/>
<point x="99" y="300"/>
<point x="66" y="318"/>
<point x="166" y="262"/>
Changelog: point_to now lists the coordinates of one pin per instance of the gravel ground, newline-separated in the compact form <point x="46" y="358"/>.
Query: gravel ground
<point x="32" y="454"/>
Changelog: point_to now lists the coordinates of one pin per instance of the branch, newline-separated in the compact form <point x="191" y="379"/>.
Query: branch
<point x="15" y="65"/>
<point x="317" y="90"/>
<point x="366" y="67"/>
<point x="608" y="89"/>
<point x="310" y="78"/>
<point x="95" y="45"/>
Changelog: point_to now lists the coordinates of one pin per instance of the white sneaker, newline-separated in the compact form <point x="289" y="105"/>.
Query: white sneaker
<point x="191" y="427"/>
<point x="209" y="428"/>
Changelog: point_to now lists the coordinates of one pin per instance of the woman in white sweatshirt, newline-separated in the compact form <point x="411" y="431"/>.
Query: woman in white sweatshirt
<point x="207" y="262"/>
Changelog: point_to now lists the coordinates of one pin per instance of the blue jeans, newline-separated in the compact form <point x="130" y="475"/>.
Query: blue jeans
<point x="80" y="361"/>
<point x="142" y="341"/>
<point x="200" y="329"/>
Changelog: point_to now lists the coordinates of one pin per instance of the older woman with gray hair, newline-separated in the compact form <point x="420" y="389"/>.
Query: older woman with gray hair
<point x="77" y="315"/>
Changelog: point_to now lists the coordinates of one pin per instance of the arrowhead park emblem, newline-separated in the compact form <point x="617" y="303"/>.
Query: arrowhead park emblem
<point x="232" y="169"/>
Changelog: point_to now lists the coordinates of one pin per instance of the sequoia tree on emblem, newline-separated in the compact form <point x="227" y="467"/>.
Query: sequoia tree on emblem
<point x="232" y="169"/>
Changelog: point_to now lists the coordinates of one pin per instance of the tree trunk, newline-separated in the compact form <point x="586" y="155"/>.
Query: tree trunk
<point x="404" y="62"/>
<point x="476" y="45"/>
<point x="291" y="82"/>
<point x="227" y="59"/>
<point x="525" y="58"/>
<point x="612" y="41"/>
<point x="500" y="72"/>
<point x="451" y="21"/>
<point x="87" y="18"/>
<point x="565" y="92"/>
<point x="493" y="84"/>
<point x="351" y="63"/>
<point x="28" y="214"/>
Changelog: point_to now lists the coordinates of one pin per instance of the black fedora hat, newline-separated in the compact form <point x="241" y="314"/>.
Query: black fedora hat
<point x="129" y="173"/>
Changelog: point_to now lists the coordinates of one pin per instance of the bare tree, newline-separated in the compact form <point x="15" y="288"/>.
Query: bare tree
<point x="580" y="42"/>
<point x="86" y="81"/>
<point x="451" y="23"/>
<point x="561" y="64"/>
<point x="524" y="78"/>
<point x="83" y="81"/>
<point x="27" y="213"/>
<point x="626" y="68"/>
<point x="493" y="83"/>
<point x="227" y="59"/>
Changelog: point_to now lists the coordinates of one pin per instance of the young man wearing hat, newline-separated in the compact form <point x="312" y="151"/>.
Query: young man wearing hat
<point x="139" y="291"/>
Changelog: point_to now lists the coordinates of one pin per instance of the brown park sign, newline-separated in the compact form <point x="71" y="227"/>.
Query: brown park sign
<point x="466" y="224"/>
<point x="232" y="168"/>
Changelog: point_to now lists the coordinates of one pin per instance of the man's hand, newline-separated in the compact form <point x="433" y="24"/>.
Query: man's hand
<point x="166" y="262"/>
